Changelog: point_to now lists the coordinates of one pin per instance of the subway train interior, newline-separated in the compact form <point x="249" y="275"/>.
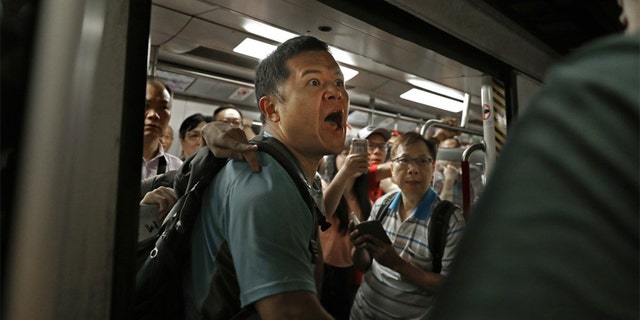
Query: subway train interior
<point x="73" y="74"/>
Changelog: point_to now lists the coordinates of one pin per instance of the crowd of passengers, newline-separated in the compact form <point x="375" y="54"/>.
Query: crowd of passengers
<point x="531" y="250"/>
<point x="361" y="276"/>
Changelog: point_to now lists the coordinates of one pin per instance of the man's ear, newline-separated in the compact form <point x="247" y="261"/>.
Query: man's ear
<point x="268" y="108"/>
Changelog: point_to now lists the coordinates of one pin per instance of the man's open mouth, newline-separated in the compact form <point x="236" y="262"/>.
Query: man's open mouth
<point x="334" y="120"/>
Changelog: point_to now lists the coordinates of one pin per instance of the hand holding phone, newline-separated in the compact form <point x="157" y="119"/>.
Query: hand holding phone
<point x="374" y="228"/>
<point x="359" y="146"/>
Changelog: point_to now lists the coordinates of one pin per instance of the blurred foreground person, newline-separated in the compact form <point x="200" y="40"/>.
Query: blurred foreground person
<point x="555" y="234"/>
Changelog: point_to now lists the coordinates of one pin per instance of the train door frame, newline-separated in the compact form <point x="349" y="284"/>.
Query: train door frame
<point x="71" y="254"/>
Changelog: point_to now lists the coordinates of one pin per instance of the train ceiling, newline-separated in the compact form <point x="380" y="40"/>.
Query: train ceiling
<point x="194" y="41"/>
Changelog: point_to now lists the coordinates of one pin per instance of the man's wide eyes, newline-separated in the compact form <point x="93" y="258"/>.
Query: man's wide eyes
<point x="316" y="82"/>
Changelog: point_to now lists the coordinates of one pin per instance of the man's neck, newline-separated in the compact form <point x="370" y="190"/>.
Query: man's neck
<point x="308" y="164"/>
<point x="151" y="149"/>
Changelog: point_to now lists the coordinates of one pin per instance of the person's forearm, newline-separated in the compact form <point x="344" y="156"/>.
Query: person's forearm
<point x="301" y="305"/>
<point x="413" y="274"/>
<point x="334" y="192"/>
<point x="388" y="186"/>
<point x="383" y="171"/>
<point x="447" y="189"/>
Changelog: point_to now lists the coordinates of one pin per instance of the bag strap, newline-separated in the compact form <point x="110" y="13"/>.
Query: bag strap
<point x="195" y="175"/>
<point x="437" y="230"/>
<point x="384" y="206"/>
<point x="287" y="160"/>
<point x="162" y="165"/>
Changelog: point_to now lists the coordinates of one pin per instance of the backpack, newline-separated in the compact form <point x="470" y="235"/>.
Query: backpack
<point x="437" y="227"/>
<point x="158" y="284"/>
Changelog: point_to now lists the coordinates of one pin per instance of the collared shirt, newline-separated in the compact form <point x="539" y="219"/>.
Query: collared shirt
<point x="265" y="226"/>
<point x="384" y="294"/>
<point x="150" y="168"/>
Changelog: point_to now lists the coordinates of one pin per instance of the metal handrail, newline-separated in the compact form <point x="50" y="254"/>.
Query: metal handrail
<point x="466" y="176"/>
<point x="437" y="123"/>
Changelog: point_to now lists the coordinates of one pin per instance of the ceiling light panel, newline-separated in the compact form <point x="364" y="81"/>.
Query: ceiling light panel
<point x="433" y="100"/>
<point x="254" y="48"/>
<point x="267" y="31"/>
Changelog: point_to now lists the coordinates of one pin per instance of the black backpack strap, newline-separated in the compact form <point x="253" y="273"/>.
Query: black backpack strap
<point x="162" y="165"/>
<point x="384" y="206"/>
<point x="437" y="231"/>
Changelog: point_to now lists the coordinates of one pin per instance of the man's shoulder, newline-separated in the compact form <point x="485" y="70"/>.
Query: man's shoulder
<point x="384" y="200"/>
<point x="271" y="172"/>
<point x="615" y="43"/>
<point x="602" y="60"/>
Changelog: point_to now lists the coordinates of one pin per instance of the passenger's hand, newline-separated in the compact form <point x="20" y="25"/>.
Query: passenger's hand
<point x="356" y="237"/>
<point x="443" y="134"/>
<point x="225" y="141"/>
<point x="382" y="252"/>
<point x="359" y="254"/>
<point x="450" y="172"/>
<point x="164" y="197"/>
<point x="355" y="165"/>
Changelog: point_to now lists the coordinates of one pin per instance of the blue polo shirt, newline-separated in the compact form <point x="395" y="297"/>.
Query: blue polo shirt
<point x="267" y="226"/>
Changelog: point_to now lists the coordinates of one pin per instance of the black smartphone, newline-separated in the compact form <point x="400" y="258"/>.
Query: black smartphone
<point x="374" y="227"/>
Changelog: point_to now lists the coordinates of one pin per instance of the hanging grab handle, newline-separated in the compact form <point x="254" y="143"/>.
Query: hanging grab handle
<point x="466" y="185"/>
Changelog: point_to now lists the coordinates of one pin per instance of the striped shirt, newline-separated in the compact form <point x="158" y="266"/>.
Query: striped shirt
<point x="383" y="293"/>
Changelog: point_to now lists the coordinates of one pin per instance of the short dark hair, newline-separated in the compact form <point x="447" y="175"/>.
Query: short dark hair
<point x="412" y="137"/>
<point x="153" y="79"/>
<point x="225" y="107"/>
<point x="272" y="71"/>
<point x="189" y="123"/>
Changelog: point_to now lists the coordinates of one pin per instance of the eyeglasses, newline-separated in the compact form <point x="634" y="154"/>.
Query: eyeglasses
<point x="237" y="123"/>
<point x="405" y="161"/>
<point x="374" y="146"/>
<point x="194" y="134"/>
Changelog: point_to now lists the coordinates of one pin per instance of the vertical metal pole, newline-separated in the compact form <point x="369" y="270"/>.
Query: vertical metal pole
<point x="152" y="62"/>
<point x="488" y="124"/>
<point x="372" y="106"/>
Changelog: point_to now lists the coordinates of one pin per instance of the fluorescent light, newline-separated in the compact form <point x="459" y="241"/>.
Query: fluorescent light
<point x="433" y="100"/>
<point x="348" y="73"/>
<point x="267" y="31"/>
<point x="254" y="48"/>
<point x="436" y="87"/>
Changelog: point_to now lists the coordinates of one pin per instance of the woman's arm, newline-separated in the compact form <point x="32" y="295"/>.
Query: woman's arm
<point x="354" y="166"/>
